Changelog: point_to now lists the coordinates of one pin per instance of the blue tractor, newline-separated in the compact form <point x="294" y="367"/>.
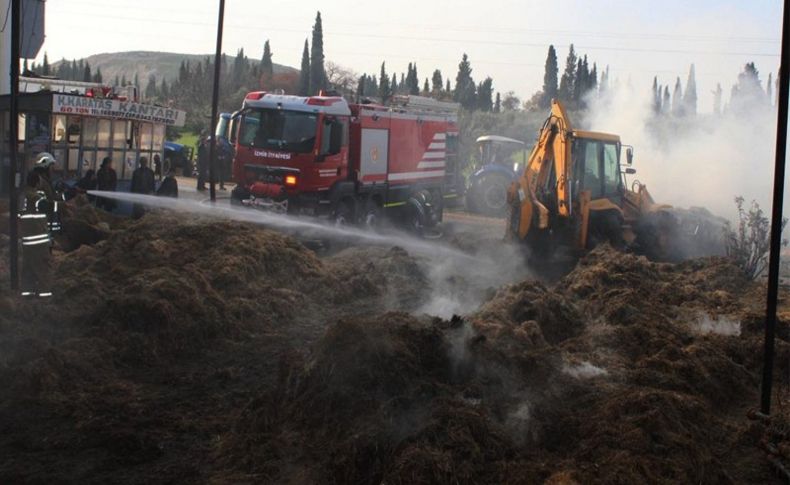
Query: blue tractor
<point x="179" y="157"/>
<point x="499" y="161"/>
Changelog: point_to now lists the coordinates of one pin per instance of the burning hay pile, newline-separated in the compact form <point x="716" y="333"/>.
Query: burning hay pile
<point x="218" y="351"/>
<point x="609" y="376"/>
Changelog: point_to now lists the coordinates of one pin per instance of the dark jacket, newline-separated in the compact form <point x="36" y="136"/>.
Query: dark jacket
<point x="169" y="187"/>
<point x="143" y="181"/>
<point x="106" y="179"/>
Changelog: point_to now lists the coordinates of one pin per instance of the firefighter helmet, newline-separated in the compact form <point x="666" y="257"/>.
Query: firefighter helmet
<point x="44" y="160"/>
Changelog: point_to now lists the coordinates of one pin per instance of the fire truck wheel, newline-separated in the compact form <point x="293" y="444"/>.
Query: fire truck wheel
<point x="344" y="214"/>
<point x="415" y="220"/>
<point x="372" y="216"/>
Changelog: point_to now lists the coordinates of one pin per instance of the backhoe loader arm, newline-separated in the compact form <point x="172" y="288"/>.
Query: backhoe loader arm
<point x="544" y="181"/>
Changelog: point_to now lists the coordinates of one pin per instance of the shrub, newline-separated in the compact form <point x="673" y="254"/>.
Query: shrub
<point x="750" y="244"/>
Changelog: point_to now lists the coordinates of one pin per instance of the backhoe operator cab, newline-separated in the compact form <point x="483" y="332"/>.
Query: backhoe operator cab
<point x="499" y="161"/>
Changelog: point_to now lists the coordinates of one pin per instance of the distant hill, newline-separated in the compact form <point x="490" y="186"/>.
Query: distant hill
<point x="145" y="63"/>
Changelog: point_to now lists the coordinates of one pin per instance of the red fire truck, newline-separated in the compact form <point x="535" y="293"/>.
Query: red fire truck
<point x="354" y="163"/>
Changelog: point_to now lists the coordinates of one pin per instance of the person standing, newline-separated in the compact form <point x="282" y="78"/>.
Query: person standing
<point x="36" y="241"/>
<point x="143" y="182"/>
<point x="106" y="180"/>
<point x="169" y="186"/>
<point x="203" y="161"/>
<point x="41" y="167"/>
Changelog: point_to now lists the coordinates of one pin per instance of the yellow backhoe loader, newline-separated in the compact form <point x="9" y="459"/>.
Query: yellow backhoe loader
<point x="573" y="195"/>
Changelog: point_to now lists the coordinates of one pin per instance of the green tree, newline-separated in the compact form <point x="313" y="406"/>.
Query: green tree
<point x="413" y="82"/>
<point x="436" y="82"/>
<point x="666" y="103"/>
<point x="485" y="93"/>
<point x="385" y="90"/>
<point x="304" y="73"/>
<point x="97" y="77"/>
<point x="497" y="103"/>
<point x="150" y="88"/>
<point x="568" y="79"/>
<point x="690" y="97"/>
<point x="164" y="90"/>
<point x="86" y="73"/>
<point x="677" y="99"/>
<point x="267" y="67"/>
<point x="317" y="73"/>
<point x="550" y="88"/>
<point x="769" y="90"/>
<point x="45" y="67"/>
<point x="426" y="87"/>
<point x="465" y="85"/>
<point x="656" y="96"/>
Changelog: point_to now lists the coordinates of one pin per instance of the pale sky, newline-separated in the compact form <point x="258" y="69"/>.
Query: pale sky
<point x="505" y="39"/>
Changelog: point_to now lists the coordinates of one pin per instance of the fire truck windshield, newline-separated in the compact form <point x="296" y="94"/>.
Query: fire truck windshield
<point x="292" y="131"/>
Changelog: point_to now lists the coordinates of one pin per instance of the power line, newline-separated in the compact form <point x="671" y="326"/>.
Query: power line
<point x="511" y="30"/>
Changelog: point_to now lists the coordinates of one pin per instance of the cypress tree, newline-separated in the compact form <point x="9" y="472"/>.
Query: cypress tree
<point x="137" y="80"/>
<point x="164" y="90"/>
<point x="45" y="67"/>
<point x="656" y="96"/>
<point x="267" y="67"/>
<point x="436" y="81"/>
<point x="86" y="73"/>
<point x="317" y="73"/>
<point x="485" y="93"/>
<point x="666" y="104"/>
<point x="465" y="85"/>
<point x="550" y="87"/>
<point x="150" y="88"/>
<point x="415" y="80"/>
<point x="385" y="92"/>
<point x="677" y="99"/>
<point x="304" y="73"/>
<point x="25" y="67"/>
<point x="361" y="84"/>
<point x="395" y="88"/>
<point x="447" y="88"/>
<point x="769" y="89"/>
<point x="690" y="98"/>
<point x="426" y="88"/>
<point x="98" y="77"/>
<point x="568" y="79"/>
<point x="74" y="71"/>
<point x="717" y="94"/>
<point x="579" y="83"/>
<point x="497" y="103"/>
<point x="123" y="80"/>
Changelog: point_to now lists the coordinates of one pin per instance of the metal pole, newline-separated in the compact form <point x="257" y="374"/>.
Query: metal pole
<point x="212" y="152"/>
<point x="776" y="214"/>
<point x="13" y="118"/>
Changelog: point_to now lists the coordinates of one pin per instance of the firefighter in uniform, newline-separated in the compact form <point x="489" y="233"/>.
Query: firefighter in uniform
<point x="41" y="167"/>
<point x="36" y="241"/>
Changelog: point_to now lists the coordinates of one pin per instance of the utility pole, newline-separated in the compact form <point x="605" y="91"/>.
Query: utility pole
<point x="776" y="214"/>
<point x="13" y="144"/>
<point x="212" y="152"/>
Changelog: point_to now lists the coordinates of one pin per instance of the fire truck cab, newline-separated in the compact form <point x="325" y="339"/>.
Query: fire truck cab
<point x="354" y="163"/>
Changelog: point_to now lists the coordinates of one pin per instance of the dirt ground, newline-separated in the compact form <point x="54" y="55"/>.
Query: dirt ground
<point x="212" y="351"/>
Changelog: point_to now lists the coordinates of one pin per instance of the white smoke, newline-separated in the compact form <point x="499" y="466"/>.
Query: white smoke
<point x="726" y="326"/>
<point x="701" y="161"/>
<point x="583" y="370"/>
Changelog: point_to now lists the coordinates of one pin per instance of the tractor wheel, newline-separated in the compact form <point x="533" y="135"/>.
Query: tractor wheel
<point x="491" y="195"/>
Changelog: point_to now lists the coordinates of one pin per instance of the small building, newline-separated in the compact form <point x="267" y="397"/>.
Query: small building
<point x="81" y="124"/>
